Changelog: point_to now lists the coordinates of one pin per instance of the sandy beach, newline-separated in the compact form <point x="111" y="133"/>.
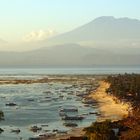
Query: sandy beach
<point x="109" y="106"/>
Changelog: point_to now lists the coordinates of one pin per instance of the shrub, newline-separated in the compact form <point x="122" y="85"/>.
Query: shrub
<point x="100" y="131"/>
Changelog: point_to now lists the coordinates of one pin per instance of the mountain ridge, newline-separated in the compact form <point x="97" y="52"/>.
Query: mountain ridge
<point x="103" y="41"/>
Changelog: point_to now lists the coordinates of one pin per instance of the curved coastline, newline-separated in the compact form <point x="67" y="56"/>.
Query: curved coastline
<point x="109" y="106"/>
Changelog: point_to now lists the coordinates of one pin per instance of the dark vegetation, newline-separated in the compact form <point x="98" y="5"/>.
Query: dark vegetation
<point x="101" y="131"/>
<point x="126" y="88"/>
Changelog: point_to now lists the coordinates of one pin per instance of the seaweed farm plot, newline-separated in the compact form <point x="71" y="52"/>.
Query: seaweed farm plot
<point x="49" y="107"/>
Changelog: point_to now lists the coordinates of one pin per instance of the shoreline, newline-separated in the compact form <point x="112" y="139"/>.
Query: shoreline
<point x="109" y="106"/>
<point x="74" y="132"/>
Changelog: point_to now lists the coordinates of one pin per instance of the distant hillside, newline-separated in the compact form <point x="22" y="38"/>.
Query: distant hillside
<point x="102" y="29"/>
<point x="67" y="55"/>
<point x="104" y="41"/>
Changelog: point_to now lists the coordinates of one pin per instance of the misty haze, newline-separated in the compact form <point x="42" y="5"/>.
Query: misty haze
<point x="69" y="70"/>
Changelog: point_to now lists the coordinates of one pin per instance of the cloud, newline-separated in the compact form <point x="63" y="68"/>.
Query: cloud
<point x="30" y="41"/>
<point x="39" y="35"/>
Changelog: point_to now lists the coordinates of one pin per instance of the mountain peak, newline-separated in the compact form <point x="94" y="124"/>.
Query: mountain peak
<point x="105" y="18"/>
<point x="111" y="18"/>
<point x="105" y="28"/>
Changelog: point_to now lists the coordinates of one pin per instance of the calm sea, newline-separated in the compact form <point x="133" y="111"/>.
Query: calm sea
<point x="93" y="70"/>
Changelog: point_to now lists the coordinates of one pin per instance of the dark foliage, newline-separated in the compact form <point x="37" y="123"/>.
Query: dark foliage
<point x="125" y="87"/>
<point x="101" y="131"/>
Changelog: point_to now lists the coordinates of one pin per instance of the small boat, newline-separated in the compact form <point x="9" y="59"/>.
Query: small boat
<point x="72" y="117"/>
<point x="48" y="97"/>
<point x="85" y="114"/>
<point x="45" y="100"/>
<point x="11" y="104"/>
<point x="62" y="132"/>
<point x="47" y="92"/>
<point x="89" y="101"/>
<point x="35" y="128"/>
<point x="61" y="96"/>
<point x="70" y="124"/>
<point x="44" y="135"/>
<point x="47" y="135"/>
<point x="15" y="130"/>
<point x="69" y="109"/>
<point x="95" y="113"/>
<point x="44" y="125"/>
<point x="87" y="105"/>
<point x="79" y="94"/>
<point x="31" y="100"/>
<point x="55" y="98"/>
<point x="34" y="138"/>
<point x="62" y="114"/>
<point x="69" y="98"/>
<point x="78" y="99"/>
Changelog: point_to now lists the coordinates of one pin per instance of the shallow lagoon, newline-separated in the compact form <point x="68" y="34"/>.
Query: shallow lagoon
<point x="39" y="104"/>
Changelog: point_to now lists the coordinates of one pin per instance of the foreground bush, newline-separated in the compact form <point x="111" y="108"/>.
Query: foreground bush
<point x="100" y="131"/>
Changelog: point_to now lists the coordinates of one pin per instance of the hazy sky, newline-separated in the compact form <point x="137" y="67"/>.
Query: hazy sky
<point x="26" y="19"/>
